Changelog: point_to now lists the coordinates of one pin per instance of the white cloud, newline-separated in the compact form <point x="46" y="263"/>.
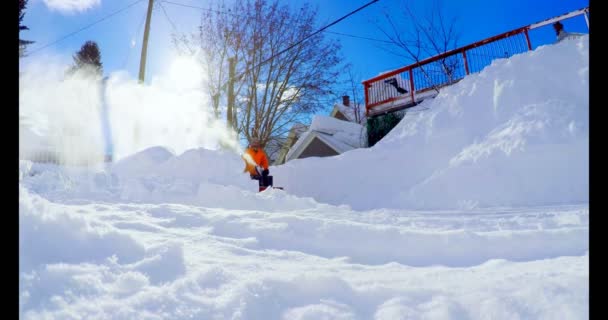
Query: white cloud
<point x="71" y="6"/>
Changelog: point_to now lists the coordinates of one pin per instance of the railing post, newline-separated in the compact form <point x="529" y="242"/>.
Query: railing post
<point x="365" y="89"/>
<point x="528" y="39"/>
<point x="466" y="64"/>
<point x="587" y="18"/>
<point x="412" y="89"/>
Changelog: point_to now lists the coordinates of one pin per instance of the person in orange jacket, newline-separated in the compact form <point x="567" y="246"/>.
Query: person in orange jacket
<point x="256" y="161"/>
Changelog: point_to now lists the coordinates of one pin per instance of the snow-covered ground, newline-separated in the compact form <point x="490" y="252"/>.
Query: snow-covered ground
<point x="474" y="207"/>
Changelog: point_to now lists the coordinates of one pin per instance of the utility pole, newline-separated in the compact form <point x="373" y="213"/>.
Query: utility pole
<point x="230" y="116"/>
<point x="144" y="45"/>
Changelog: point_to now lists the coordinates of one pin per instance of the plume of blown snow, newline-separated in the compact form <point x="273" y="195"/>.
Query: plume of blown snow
<point x="63" y="115"/>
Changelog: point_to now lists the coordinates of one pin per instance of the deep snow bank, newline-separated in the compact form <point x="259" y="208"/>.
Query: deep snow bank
<point x="202" y="177"/>
<point x="517" y="133"/>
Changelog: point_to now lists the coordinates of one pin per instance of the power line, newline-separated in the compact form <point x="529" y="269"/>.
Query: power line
<point x="167" y="16"/>
<point x="359" y="37"/>
<point x="143" y="19"/>
<point x="223" y="12"/>
<point x="409" y="43"/>
<point x="309" y="36"/>
<point x="291" y="46"/>
<point x="85" y="27"/>
<point x="173" y="25"/>
<point x="236" y="15"/>
<point x="201" y="8"/>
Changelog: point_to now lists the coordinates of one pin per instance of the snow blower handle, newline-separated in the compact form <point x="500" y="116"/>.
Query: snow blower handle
<point x="259" y="170"/>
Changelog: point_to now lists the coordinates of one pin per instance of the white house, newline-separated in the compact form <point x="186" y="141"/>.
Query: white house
<point x="328" y="136"/>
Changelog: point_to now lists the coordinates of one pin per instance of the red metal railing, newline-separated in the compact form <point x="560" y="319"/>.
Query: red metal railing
<point x="410" y="84"/>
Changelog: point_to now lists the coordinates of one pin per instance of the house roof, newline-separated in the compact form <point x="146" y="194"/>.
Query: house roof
<point x="294" y="134"/>
<point x="299" y="128"/>
<point x="349" y="112"/>
<point x="339" y="135"/>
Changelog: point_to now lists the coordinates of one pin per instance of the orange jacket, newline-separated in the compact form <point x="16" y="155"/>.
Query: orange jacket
<point x="258" y="157"/>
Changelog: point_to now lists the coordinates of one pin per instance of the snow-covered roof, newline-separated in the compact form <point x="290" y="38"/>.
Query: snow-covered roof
<point x="338" y="134"/>
<point x="294" y="134"/>
<point x="299" y="128"/>
<point x="350" y="112"/>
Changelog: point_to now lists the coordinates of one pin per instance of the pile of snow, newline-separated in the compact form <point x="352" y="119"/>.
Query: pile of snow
<point x="202" y="177"/>
<point x="515" y="134"/>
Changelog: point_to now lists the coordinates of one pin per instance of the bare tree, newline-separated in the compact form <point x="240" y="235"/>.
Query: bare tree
<point x="273" y="89"/>
<point x="349" y="84"/>
<point x="217" y="40"/>
<point x="428" y="34"/>
<point x="355" y="89"/>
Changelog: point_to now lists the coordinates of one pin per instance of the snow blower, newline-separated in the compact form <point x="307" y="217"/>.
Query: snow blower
<point x="264" y="181"/>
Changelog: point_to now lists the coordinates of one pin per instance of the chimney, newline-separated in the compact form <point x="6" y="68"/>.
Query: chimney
<point x="346" y="101"/>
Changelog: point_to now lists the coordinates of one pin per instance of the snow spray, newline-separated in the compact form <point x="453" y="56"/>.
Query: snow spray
<point x="63" y="114"/>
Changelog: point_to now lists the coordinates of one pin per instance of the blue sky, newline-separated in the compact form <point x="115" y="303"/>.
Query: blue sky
<point x="120" y="36"/>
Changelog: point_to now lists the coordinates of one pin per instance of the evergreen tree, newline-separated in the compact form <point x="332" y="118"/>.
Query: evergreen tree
<point x="88" y="57"/>
<point x="22" y="43"/>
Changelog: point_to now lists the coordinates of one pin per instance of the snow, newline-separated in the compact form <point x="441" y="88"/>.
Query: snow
<point x="475" y="206"/>
<point x="400" y="101"/>
<point x="352" y="113"/>
<point x="75" y="115"/>
<point x="509" y="135"/>
<point x="568" y="35"/>
<point x="53" y="114"/>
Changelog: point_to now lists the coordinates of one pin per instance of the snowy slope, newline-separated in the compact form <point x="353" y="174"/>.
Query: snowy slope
<point x="165" y="235"/>
<point x="517" y="133"/>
